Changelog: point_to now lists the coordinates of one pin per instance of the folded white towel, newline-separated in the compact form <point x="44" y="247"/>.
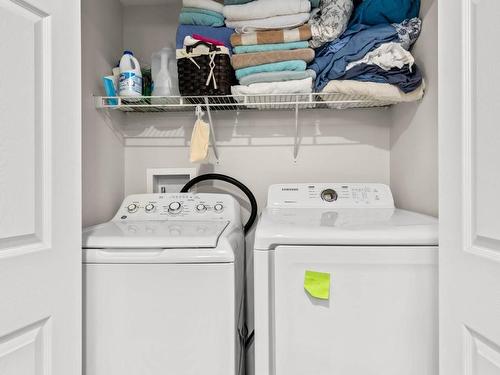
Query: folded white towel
<point x="301" y="86"/>
<point x="204" y="4"/>
<point x="260" y="95"/>
<point x="375" y="90"/>
<point x="265" y="9"/>
<point x="277" y="22"/>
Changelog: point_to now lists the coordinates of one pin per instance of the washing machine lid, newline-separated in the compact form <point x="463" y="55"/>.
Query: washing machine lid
<point x="160" y="234"/>
<point x="348" y="227"/>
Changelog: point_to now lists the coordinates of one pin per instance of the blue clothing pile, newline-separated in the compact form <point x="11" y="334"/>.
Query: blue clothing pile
<point x="374" y="23"/>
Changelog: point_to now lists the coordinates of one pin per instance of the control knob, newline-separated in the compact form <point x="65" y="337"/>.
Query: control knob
<point x="218" y="207"/>
<point x="201" y="207"/>
<point x="329" y="195"/>
<point x="174" y="207"/>
<point x="149" y="208"/>
<point x="131" y="208"/>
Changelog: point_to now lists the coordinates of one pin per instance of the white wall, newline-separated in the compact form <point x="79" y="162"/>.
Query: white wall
<point x="414" y="132"/>
<point x="146" y="29"/>
<point x="257" y="148"/>
<point x="102" y="149"/>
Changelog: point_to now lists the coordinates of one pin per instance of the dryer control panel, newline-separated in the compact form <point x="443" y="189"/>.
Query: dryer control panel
<point x="181" y="206"/>
<point x="330" y="195"/>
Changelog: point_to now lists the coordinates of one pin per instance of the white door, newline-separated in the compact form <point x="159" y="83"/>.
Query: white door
<point x="40" y="271"/>
<point x="469" y="122"/>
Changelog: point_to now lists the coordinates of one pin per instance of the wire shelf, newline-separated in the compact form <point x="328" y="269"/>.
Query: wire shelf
<point x="294" y="102"/>
<point x="239" y="102"/>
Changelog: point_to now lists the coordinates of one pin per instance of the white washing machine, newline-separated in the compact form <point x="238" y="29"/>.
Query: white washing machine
<point x="345" y="283"/>
<point x="164" y="287"/>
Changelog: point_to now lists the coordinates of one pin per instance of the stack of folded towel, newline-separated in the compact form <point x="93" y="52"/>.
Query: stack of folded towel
<point x="203" y="20"/>
<point x="272" y="61"/>
<point x="201" y="13"/>
<point x="266" y="14"/>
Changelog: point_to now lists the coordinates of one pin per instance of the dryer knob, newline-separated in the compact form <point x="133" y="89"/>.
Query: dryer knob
<point x="174" y="207"/>
<point x="149" y="208"/>
<point x="218" y="207"/>
<point x="131" y="208"/>
<point x="201" y="208"/>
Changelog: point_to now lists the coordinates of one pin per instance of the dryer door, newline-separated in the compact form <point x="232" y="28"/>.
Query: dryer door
<point x="380" y="318"/>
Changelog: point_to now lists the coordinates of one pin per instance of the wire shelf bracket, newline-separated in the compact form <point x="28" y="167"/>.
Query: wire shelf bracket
<point x="296" y="142"/>
<point x="213" y="138"/>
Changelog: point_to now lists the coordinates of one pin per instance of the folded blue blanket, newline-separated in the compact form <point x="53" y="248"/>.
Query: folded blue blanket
<point x="272" y="67"/>
<point x="270" y="47"/>
<point x="285" y="75"/>
<point x="220" y="33"/>
<point x="200" y="17"/>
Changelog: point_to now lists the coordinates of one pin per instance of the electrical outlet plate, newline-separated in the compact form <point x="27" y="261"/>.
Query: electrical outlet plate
<point x="168" y="180"/>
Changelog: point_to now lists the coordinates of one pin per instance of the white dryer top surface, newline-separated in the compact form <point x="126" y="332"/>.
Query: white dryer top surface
<point x="340" y="214"/>
<point x="349" y="227"/>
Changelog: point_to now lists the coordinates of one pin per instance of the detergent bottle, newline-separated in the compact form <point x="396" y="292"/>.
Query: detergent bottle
<point x="130" y="75"/>
<point x="164" y="73"/>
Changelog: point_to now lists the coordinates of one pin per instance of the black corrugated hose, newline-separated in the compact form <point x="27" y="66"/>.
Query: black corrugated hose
<point x="250" y="221"/>
<point x="232" y="181"/>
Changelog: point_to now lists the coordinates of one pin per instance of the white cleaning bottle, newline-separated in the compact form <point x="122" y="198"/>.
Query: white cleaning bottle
<point x="162" y="80"/>
<point x="130" y="75"/>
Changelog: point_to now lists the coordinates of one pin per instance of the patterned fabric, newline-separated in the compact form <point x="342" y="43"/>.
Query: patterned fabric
<point x="330" y="21"/>
<point x="245" y="60"/>
<point x="408" y="31"/>
<point x="272" y="36"/>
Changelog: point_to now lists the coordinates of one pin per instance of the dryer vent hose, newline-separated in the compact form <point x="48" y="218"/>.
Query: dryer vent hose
<point x="232" y="181"/>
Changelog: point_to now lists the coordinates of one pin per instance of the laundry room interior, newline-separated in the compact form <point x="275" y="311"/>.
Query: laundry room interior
<point x="395" y="145"/>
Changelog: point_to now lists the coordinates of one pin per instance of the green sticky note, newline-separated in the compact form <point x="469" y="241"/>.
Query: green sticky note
<point x="317" y="284"/>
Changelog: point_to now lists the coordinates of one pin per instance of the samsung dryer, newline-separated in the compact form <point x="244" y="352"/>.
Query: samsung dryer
<point x="345" y="283"/>
<point x="163" y="287"/>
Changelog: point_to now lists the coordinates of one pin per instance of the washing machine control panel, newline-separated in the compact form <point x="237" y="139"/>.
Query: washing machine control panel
<point x="329" y="195"/>
<point x="183" y="206"/>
